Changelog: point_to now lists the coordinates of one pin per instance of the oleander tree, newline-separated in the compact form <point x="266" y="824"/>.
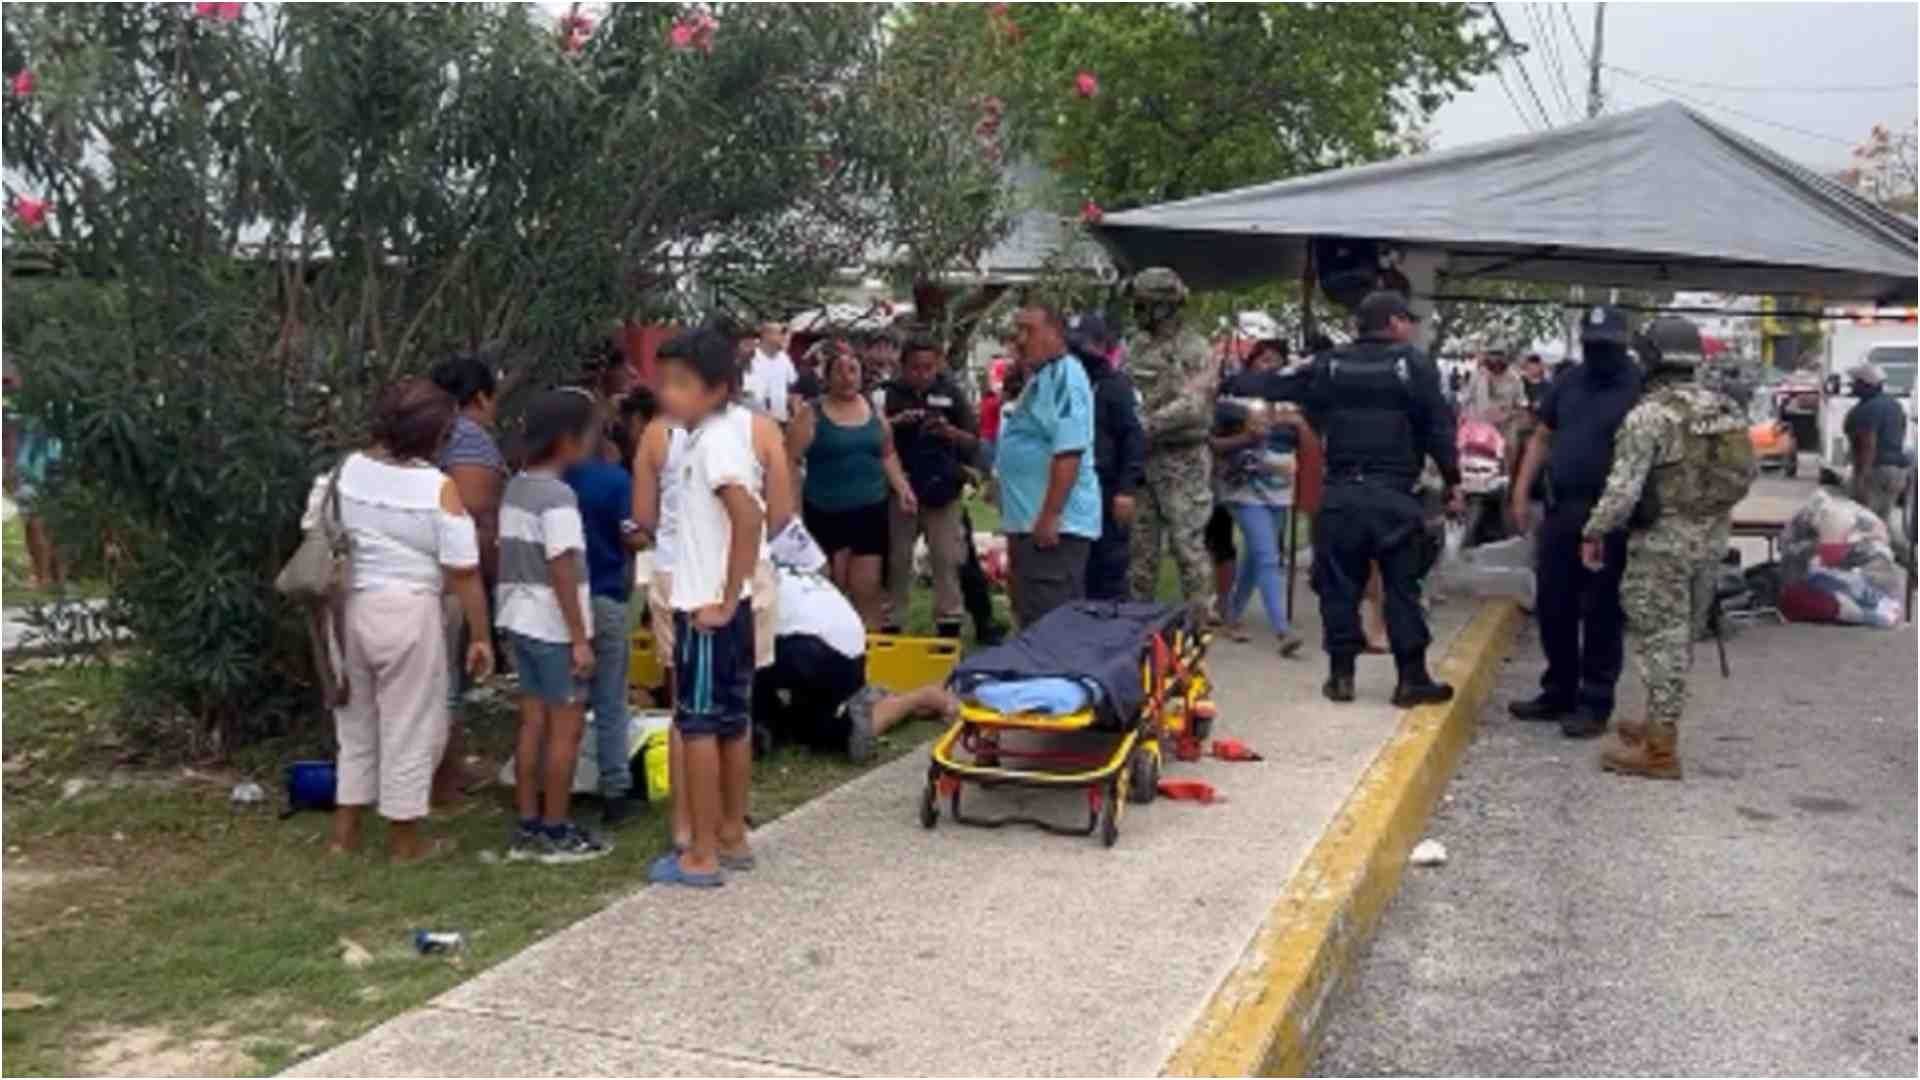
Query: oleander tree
<point x="229" y="224"/>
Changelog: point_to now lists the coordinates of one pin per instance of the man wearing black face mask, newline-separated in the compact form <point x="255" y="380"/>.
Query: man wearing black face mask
<point x="1582" y="628"/>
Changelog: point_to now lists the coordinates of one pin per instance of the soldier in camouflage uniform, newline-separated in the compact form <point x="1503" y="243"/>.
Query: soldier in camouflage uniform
<point x="1685" y="441"/>
<point x="1177" y="379"/>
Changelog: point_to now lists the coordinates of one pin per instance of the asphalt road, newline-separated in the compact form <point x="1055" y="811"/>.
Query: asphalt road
<point x="1756" y="918"/>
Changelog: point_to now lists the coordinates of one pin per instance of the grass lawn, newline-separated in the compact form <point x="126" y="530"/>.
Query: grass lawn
<point x="176" y="933"/>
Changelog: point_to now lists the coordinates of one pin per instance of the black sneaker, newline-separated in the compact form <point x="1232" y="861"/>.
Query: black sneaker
<point x="1542" y="709"/>
<point x="1583" y="723"/>
<point x="947" y="629"/>
<point x="616" y="811"/>
<point x="1338" y="688"/>
<point x="892" y="629"/>
<point x="1409" y="694"/>
<point x="526" y="845"/>
<point x="572" y="845"/>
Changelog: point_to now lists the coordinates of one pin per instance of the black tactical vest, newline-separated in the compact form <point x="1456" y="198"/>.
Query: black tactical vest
<point x="1369" y="427"/>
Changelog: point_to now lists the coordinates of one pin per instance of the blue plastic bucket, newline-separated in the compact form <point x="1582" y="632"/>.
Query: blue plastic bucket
<point x="310" y="785"/>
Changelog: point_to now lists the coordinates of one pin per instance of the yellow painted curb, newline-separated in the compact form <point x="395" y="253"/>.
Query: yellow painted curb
<point x="1264" y="1018"/>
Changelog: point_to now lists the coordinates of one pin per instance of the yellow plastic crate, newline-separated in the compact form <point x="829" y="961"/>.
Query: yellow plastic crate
<point x="899" y="664"/>
<point x="644" y="670"/>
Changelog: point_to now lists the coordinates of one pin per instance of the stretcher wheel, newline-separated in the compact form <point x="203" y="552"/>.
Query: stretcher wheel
<point x="929" y="806"/>
<point x="1143" y="775"/>
<point x="1110" y="815"/>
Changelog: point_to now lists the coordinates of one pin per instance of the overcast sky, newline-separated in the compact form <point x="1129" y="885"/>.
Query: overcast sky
<point x="1779" y="63"/>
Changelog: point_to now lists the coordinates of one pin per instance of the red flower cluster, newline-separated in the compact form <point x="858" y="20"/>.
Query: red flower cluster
<point x="1000" y="18"/>
<point x="31" y="212"/>
<point x="575" y="28"/>
<point x="219" y="12"/>
<point x="694" y="30"/>
<point x="1085" y="84"/>
<point x="986" y="131"/>
<point x="22" y="83"/>
<point x="1091" y="213"/>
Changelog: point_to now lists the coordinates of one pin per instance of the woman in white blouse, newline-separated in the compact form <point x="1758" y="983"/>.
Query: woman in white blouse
<point x="411" y="539"/>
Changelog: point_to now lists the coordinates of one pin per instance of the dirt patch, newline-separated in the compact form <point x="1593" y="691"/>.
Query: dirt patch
<point x="153" y="1051"/>
<point x="20" y="879"/>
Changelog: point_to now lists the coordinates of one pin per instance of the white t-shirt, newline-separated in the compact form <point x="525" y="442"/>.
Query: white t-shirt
<point x="811" y="606"/>
<point x="719" y="453"/>
<point x="769" y="377"/>
<point x="665" y="531"/>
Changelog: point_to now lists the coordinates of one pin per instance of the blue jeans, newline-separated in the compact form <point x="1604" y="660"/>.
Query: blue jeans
<point x="608" y="693"/>
<point x="1263" y="528"/>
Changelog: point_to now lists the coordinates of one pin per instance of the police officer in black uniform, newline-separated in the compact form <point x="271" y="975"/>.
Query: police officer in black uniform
<point x="1379" y="410"/>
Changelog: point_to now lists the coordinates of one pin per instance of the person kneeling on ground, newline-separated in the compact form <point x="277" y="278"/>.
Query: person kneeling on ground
<point x="816" y="693"/>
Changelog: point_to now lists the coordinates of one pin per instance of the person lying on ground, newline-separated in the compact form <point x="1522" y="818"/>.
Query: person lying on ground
<point x="816" y="692"/>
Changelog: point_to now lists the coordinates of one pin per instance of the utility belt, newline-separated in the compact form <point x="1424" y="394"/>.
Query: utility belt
<point x="1394" y="480"/>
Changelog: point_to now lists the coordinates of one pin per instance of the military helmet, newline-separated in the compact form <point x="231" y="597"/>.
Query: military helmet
<point x="1674" y="341"/>
<point x="1157" y="283"/>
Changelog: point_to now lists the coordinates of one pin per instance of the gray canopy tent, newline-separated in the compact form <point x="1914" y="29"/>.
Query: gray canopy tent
<point x="1658" y="197"/>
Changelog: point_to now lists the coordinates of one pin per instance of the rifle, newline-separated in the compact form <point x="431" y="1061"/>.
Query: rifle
<point x="1716" y="625"/>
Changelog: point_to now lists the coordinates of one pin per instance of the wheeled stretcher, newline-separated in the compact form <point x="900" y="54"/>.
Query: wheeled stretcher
<point x="1141" y="672"/>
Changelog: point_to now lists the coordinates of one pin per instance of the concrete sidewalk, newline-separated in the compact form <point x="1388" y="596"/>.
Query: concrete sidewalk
<point x="865" y="945"/>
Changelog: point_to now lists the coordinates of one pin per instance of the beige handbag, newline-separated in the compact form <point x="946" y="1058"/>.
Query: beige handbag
<point x="317" y="576"/>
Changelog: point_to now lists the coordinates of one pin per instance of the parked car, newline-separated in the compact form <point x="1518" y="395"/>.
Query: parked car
<point x="1774" y="444"/>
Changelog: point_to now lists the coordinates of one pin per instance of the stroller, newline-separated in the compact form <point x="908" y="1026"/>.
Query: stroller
<point x="1128" y="677"/>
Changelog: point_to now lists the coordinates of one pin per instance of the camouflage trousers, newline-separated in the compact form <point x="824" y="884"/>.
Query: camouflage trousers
<point x="1707" y="577"/>
<point x="1655" y="593"/>
<point x="1174" y="503"/>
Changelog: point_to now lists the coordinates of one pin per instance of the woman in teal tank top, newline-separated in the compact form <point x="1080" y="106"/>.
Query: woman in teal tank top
<point x="851" y="468"/>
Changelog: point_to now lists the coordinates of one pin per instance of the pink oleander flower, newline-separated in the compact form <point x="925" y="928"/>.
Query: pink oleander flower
<point x="1086" y="84"/>
<point x="22" y="83"/>
<point x="693" y="31"/>
<point x="219" y="12"/>
<point x="31" y="212"/>
<point x="1091" y="213"/>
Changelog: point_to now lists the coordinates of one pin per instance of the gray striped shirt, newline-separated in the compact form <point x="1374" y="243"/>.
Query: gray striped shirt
<point x="539" y="522"/>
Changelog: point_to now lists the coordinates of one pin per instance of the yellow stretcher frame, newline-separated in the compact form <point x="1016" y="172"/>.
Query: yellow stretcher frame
<point x="1179" y="706"/>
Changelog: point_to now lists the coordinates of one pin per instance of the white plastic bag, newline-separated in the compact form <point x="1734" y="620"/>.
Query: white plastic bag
<point x="1503" y="568"/>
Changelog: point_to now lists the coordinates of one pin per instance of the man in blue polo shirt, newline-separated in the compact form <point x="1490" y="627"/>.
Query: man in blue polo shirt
<point x="1582" y="627"/>
<point x="1049" y="493"/>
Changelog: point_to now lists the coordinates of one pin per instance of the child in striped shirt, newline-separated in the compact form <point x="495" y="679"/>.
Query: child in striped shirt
<point x="541" y="603"/>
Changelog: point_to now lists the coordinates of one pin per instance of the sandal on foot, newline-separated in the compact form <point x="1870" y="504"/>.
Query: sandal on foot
<point x="666" y="870"/>
<point x="738" y="863"/>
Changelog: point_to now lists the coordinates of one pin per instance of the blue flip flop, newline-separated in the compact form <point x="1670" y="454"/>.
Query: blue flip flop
<point x="666" y="870"/>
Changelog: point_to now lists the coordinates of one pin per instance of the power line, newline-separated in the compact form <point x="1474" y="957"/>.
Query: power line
<point x="1865" y="88"/>
<point x="1566" y="12"/>
<point x="1514" y="51"/>
<point x="1730" y="110"/>
<point x="1525" y="120"/>
<point x="1550" y="57"/>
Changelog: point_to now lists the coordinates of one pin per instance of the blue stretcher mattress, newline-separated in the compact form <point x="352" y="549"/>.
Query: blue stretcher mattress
<point x="1097" y="643"/>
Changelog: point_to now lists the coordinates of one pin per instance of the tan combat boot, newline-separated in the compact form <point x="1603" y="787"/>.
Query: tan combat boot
<point x="1630" y="732"/>
<point x="1654" y="753"/>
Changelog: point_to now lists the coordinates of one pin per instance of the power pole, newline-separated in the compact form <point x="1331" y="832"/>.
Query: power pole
<point x="1593" y="62"/>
